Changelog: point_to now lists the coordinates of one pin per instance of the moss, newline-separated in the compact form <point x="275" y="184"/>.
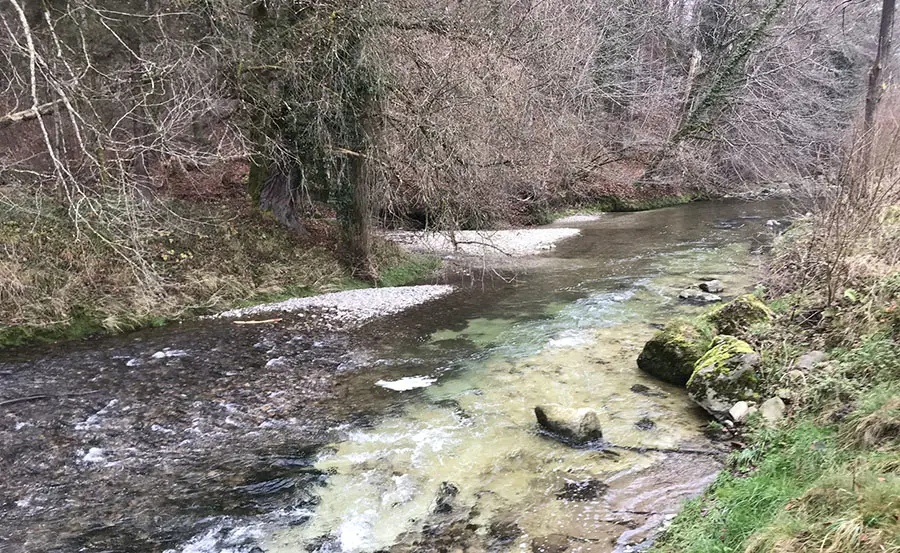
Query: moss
<point x="672" y="353"/>
<point x="739" y="315"/>
<point x="724" y="375"/>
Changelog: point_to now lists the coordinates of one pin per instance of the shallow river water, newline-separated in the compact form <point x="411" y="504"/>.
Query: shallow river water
<point x="413" y="433"/>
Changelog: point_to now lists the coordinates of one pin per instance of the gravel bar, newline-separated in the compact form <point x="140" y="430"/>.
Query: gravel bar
<point x="352" y="306"/>
<point x="484" y="243"/>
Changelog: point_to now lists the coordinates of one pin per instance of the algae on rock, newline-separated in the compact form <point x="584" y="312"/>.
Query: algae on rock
<point x="671" y="354"/>
<point x="724" y="376"/>
<point x="739" y="314"/>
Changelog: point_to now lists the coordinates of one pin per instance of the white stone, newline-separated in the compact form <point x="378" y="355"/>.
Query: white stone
<point x="773" y="410"/>
<point x="739" y="411"/>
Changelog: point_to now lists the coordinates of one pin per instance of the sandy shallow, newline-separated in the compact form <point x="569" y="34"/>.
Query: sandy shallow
<point x="484" y="243"/>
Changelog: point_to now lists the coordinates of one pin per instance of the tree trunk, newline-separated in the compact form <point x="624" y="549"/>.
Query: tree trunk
<point x="359" y="227"/>
<point x="876" y="82"/>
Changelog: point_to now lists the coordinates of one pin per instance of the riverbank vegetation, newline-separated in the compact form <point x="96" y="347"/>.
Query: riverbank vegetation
<point x="826" y="478"/>
<point x="126" y="124"/>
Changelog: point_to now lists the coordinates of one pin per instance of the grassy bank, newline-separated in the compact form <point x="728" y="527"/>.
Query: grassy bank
<point x="58" y="282"/>
<point x="827" y="479"/>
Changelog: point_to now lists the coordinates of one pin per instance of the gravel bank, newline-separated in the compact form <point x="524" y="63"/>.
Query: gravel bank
<point x="352" y="307"/>
<point x="484" y="243"/>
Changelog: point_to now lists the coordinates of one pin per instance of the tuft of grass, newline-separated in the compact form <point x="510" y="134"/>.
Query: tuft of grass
<point x="736" y="506"/>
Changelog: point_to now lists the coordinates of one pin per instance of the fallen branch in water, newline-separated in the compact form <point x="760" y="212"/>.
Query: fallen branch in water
<point x="25" y="399"/>
<point x="684" y="451"/>
<point x="257" y="322"/>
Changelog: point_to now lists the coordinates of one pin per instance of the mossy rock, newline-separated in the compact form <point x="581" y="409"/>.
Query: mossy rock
<point x="725" y="375"/>
<point x="672" y="353"/>
<point x="739" y="314"/>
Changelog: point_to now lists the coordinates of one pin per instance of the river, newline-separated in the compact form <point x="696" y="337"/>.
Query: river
<point x="413" y="433"/>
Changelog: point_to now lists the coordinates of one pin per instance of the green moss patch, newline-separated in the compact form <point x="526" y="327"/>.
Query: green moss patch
<point x="671" y="354"/>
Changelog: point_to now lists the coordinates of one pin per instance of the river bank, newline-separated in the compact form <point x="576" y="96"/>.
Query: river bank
<point x="203" y="259"/>
<point x="825" y="478"/>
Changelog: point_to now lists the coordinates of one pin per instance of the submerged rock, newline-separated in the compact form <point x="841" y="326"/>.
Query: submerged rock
<point x="443" y="503"/>
<point x="712" y="286"/>
<point x="646" y="424"/>
<point x="698" y="296"/>
<point x="575" y="426"/>
<point x="504" y="531"/>
<point x="724" y="376"/>
<point x="672" y="353"/>
<point x="585" y="490"/>
<point x="554" y="543"/>
<point x="740" y="314"/>
<point x="648" y="391"/>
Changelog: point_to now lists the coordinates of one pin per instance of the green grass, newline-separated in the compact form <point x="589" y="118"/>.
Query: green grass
<point x="409" y="270"/>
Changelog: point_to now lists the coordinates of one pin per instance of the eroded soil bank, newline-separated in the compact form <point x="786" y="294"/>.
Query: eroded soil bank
<point x="293" y="436"/>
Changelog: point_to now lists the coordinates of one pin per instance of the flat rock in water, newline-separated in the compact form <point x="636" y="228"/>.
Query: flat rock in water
<point x="712" y="286"/>
<point x="691" y="295"/>
<point x="573" y="426"/>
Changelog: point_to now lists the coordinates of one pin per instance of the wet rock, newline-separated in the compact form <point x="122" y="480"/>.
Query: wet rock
<point x="699" y="297"/>
<point x="672" y="353"/>
<point x="809" y="360"/>
<point x="585" y="490"/>
<point x="645" y="424"/>
<point x="712" y="286"/>
<point x="772" y="410"/>
<point x="739" y="314"/>
<point x="724" y="376"/>
<point x="575" y="426"/>
<point x="505" y="531"/>
<point x="443" y="503"/>
<point x="553" y="543"/>
<point x="648" y="391"/>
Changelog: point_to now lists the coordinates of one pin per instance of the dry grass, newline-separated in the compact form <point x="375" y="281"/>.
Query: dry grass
<point x="201" y="257"/>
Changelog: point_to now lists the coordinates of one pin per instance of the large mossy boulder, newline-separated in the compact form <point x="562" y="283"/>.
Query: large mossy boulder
<point x="725" y="375"/>
<point x="672" y="353"/>
<point x="739" y="314"/>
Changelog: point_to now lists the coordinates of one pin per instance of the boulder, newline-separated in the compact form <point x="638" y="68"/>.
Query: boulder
<point x="712" y="286"/>
<point x="739" y="411"/>
<point x="572" y="426"/>
<point x="772" y="410"/>
<point x="739" y="314"/>
<point x="699" y="297"/>
<point x="724" y="376"/>
<point x="672" y="352"/>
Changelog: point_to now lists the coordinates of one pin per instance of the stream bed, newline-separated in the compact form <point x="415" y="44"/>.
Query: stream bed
<point x="413" y="433"/>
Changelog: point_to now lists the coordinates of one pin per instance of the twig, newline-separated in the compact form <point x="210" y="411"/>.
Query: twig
<point x="14" y="401"/>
